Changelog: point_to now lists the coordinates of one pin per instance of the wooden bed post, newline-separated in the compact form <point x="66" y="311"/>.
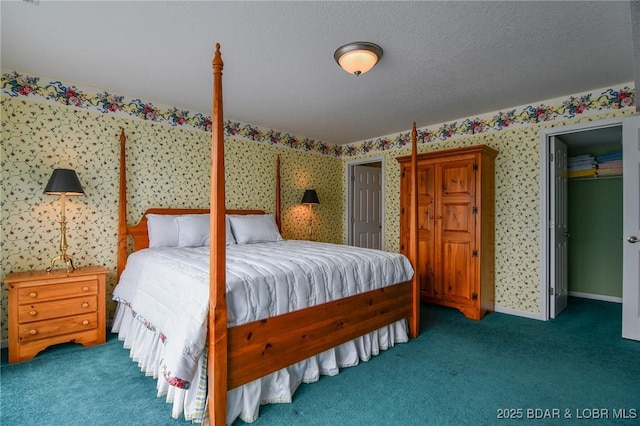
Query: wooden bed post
<point x="414" y="320"/>
<point x="217" y="357"/>
<point x="278" y="207"/>
<point x="122" y="208"/>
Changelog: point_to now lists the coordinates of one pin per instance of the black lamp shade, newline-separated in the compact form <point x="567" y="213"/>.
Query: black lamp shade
<point x="64" y="181"/>
<point x="310" y="197"/>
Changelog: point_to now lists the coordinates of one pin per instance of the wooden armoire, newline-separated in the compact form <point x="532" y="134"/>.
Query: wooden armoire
<point x="456" y="203"/>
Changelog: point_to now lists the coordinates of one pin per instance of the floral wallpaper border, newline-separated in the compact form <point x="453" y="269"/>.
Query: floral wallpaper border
<point x="558" y="109"/>
<point x="15" y="84"/>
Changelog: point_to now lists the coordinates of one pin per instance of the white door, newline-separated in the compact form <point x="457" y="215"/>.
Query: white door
<point x="558" y="229"/>
<point x="367" y="207"/>
<point x="631" y="228"/>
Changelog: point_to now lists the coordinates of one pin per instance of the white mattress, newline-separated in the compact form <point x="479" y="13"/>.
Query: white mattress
<point x="166" y="291"/>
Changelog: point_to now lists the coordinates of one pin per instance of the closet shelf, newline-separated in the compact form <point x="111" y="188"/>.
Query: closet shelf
<point x="596" y="177"/>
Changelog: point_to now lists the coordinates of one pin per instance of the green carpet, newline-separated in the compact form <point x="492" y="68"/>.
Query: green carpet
<point x="457" y="372"/>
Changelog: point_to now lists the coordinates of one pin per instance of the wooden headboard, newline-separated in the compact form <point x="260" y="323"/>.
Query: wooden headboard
<point x="139" y="232"/>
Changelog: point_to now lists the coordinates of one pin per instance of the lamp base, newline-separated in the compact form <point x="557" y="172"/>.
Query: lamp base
<point x="63" y="244"/>
<point x="66" y="259"/>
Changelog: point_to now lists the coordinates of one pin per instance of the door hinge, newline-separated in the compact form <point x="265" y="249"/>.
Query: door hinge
<point x="475" y="253"/>
<point x="474" y="210"/>
<point x="475" y="167"/>
<point x="402" y="210"/>
<point x="551" y="156"/>
<point x="403" y="173"/>
<point x="353" y="178"/>
<point x="551" y="292"/>
<point x="474" y="296"/>
<point x="353" y="219"/>
<point x="401" y="247"/>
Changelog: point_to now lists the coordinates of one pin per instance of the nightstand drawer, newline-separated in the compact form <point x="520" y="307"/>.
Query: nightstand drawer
<point x="56" y="327"/>
<point x="39" y="293"/>
<point x="57" y="309"/>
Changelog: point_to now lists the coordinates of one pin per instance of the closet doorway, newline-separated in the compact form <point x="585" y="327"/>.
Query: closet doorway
<point x="585" y="251"/>
<point x="365" y="203"/>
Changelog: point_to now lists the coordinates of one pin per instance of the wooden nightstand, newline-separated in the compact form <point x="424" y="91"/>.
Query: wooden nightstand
<point x="57" y="307"/>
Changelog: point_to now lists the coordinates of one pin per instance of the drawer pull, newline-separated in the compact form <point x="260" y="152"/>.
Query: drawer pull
<point x="85" y="305"/>
<point x="33" y="313"/>
<point x="85" y="288"/>
<point x="33" y="294"/>
<point x="33" y="332"/>
<point x="85" y="322"/>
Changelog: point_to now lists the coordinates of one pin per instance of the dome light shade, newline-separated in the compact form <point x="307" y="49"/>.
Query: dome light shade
<point x="359" y="57"/>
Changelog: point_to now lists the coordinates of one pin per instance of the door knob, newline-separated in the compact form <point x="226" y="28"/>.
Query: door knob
<point x="632" y="239"/>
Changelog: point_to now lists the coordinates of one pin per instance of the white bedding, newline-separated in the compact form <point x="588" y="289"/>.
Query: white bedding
<point x="166" y="291"/>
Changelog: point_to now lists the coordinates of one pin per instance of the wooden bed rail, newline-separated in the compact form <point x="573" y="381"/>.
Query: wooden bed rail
<point x="262" y="347"/>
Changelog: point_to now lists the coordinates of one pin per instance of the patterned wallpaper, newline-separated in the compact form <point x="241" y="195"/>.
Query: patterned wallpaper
<point x="50" y="124"/>
<point x="166" y="166"/>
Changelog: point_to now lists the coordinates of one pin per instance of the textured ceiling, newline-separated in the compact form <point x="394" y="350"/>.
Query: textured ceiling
<point x="442" y="60"/>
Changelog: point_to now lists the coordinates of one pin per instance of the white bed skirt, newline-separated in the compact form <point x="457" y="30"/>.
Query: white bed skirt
<point x="244" y="401"/>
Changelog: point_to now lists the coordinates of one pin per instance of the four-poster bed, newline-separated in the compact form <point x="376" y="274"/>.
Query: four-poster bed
<point x="237" y="356"/>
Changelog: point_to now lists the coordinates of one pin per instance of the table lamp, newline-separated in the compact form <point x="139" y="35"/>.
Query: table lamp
<point x="63" y="182"/>
<point x="310" y="197"/>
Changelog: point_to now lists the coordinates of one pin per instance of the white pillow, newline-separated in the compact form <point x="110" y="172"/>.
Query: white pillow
<point x="229" y="236"/>
<point x="162" y="230"/>
<point x="254" y="228"/>
<point x="193" y="230"/>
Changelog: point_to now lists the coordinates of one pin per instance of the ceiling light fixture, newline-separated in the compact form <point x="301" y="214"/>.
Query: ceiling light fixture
<point x="358" y="57"/>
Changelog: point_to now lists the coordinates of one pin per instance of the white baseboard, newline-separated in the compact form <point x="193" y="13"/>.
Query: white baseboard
<point x="596" y="297"/>
<point x="537" y="316"/>
<point x="518" y="313"/>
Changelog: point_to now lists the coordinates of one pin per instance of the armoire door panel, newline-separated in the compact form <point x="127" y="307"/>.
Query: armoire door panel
<point x="425" y="254"/>
<point x="425" y="217"/>
<point x="456" y="270"/>
<point x="425" y="181"/>
<point x="457" y="177"/>
<point x="457" y="217"/>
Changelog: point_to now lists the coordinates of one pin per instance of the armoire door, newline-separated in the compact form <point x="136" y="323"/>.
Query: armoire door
<point x="426" y="219"/>
<point x="455" y="231"/>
